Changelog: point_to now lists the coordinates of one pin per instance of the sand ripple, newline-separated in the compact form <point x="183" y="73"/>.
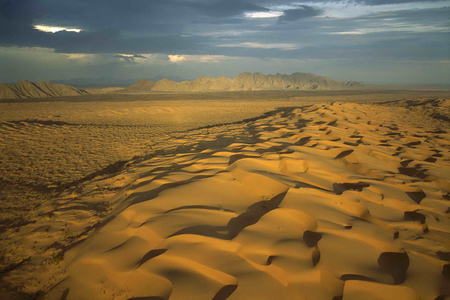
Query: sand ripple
<point x="333" y="201"/>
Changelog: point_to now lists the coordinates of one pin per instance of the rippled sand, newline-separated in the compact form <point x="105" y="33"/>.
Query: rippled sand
<point x="324" y="201"/>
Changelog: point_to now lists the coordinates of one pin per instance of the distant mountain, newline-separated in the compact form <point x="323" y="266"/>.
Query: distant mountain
<point x="93" y="82"/>
<point x="142" y="85"/>
<point x="173" y="78"/>
<point x="245" y="82"/>
<point x="108" y="81"/>
<point x="25" y="89"/>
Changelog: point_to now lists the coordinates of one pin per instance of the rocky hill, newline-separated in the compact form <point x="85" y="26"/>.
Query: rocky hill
<point x="25" y="89"/>
<point x="139" y="86"/>
<point x="252" y="81"/>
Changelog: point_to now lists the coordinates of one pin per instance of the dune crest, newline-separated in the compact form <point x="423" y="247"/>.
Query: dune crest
<point x="337" y="201"/>
<point x="25" y="89"/>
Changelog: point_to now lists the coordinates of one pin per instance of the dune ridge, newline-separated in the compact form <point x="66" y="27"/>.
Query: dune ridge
<point x="244" y="82"/>
<point x="340" y="201"/>
<point x="24" y="89"/>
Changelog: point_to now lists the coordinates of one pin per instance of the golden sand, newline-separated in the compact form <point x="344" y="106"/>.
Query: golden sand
<point x="327" y="201"/>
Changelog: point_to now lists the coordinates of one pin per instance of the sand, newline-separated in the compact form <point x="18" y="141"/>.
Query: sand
<point x="47" y="146"/>
<point x="324" y="201"/>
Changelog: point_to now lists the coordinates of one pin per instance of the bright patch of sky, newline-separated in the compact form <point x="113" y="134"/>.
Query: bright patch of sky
<point x="54" y="29"/>
<point x="353" y="10"/>
<point x="349" y="9"/>
<point x="264" y="15"/>
<point x="394" y="27"/>
<point x="221" y="33"/>
<point x="207" y="58"/>
<point x="262" y="46"/>
<point x="81" y="57"/>
<point x="346" y="9"/>
<point x="176" y="58"/>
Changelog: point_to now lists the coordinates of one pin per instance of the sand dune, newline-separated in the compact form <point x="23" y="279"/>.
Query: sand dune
<point x="327" y="201"/>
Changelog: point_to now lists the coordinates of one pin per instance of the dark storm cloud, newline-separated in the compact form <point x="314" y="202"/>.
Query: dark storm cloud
<point x="110" y="42"/>
<point x="142" y="15"/>
<point x="165" y="26"/>
<point x="16" y="15"/>
<point x="19" y="16"/>
<point x="102" y="41"/>
<point x="415" y="16"/>
<point x="382" y="47"/>
<point x="112" y="26"/>
<point x="296" y="14"/>
<point x="368" y="2"/>
<point x="129" y="59"/>
<point x="384" y="2"/>
<point x="408" y="35"/>
<point x="20" y="10"/>
<point x="227" y="8"/>
<point x="135" y="16"/>
<point x="415" y="47"/>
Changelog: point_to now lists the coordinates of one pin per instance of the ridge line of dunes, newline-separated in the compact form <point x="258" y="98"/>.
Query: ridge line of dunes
<point x="325" y="201"/>
<point x="24" y="89"/>
<point x="244" y="82"/>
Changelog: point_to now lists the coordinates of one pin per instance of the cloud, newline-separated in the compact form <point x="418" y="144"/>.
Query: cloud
<point x="113" y="31"/>
<point x="227" y="8"/>
<point x="172" y="26"/>
<point x="176" y="58"/>
<point x="348" y="32"/>
<point x="102" y="41"/>
<point x="129" y="58"/>
<point x="296" y="14"/>
<point x="54" y="29"/>
<point x="264" y="14"/>
<point x="194" y="59"/>
<point x="21" y="11"/>
<point x="369" y="2"/>
<point x="262" y="45"/>
<point x="210" y="58"/>
<point x="384" y="2"/>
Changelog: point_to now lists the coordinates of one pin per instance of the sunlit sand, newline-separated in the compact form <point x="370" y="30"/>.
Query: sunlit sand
<point x="312" y="200"/>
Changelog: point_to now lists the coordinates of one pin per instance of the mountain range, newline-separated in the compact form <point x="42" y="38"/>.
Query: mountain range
<point x="243" y="82"/>
<point x="108" y="81"/>
<point x="25" y="89"/>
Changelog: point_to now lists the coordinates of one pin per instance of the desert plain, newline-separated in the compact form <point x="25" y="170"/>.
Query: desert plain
<point x="233" y="195"/>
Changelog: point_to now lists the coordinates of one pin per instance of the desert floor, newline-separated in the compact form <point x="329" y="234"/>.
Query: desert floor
<point x="326" y="195"/>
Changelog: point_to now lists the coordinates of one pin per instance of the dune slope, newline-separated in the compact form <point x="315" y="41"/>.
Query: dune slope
<point x="339" y="201"/>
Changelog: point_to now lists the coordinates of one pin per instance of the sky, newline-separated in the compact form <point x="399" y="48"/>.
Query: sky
<point x="371" y="41"/>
